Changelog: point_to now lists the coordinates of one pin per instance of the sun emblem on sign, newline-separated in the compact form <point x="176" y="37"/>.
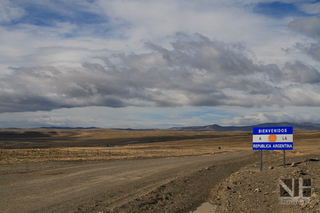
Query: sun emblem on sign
<point x="272" y="138"/>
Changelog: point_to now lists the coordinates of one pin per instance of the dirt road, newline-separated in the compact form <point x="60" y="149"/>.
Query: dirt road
<point x="74" y="186"/>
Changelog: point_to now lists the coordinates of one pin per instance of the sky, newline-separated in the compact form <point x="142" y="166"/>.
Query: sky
<point x="158" y="64"/>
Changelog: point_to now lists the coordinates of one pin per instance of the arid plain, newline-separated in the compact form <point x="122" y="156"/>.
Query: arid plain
<point x="46" y="144"/>
<point x="176" y="170"/>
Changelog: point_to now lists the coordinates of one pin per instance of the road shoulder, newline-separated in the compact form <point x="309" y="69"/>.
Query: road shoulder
<point x="252" y="190"/>
<point x="184" y="193"/>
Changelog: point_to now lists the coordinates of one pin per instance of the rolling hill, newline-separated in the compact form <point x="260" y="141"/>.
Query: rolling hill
<point x="217" y="128"/>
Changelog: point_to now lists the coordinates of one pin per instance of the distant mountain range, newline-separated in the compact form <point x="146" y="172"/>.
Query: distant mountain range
<point x="214" y="127"/>
<point x="217" y="128"/>
<point x="59" y="127"/>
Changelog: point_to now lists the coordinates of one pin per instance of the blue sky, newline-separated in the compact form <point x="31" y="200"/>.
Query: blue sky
<point x="158" y="64"/>
<point x="279" y="10"/>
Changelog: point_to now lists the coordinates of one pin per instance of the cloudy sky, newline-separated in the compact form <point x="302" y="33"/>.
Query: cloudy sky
<point x="158" y="64"/>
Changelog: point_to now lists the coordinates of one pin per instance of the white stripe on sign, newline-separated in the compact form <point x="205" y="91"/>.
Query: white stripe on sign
<point x="279" y="138"/>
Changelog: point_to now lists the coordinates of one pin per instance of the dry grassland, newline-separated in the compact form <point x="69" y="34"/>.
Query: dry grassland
<point x="92" y="144"/>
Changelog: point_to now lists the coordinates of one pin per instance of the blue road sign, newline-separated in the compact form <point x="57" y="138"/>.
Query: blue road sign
<point x="272" y="138"/>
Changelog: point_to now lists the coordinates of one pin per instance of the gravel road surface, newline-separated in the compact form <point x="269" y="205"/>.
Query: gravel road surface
<point x="71" y="186"/>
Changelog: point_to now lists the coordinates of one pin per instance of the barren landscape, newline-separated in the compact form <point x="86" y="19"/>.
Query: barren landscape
<point x="105" y="170"/>
<point x="138" y="106"/>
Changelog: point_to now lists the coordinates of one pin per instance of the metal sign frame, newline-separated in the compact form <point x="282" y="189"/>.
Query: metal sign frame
<point x="272" y="138"/>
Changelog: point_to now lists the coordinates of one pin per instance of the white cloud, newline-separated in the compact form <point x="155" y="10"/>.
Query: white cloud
<point x="10" y="12"/>
<point x="309" y="26"/>
<point x="127" y="23"/>
<point x="196" y="71"/>
<point x="207" y="53"/>
<point x="287" y="114"/>
<point x="130" y="117"/>
<point x="312" y="8"/>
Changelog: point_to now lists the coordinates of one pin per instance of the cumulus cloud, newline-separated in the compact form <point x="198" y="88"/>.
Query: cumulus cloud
<point x="195" y="71"/>
<point x="310" y="49"/>
<point x="311" y="8"/>
<point x="10" y="12"/>
<point x="70" y="56"/>
<point x="292" y="115"/>
<point x="309" y="26"/>
<point x="300" y="72"/>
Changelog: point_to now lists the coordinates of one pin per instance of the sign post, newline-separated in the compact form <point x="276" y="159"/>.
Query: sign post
<point x="284" y="158"/>
<point x="261" y="160"/>
<point x="272" y="138"/>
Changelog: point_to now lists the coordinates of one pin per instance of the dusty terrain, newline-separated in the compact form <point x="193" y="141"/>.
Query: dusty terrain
<point x="252" y="190"/>
<point x="51" y="165"/>
<point x="62" y="186"/>
<point x="53" y="138"/>
<point x="59" y="138"/>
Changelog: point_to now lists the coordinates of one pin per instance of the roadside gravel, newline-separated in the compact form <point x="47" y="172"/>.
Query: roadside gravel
<point x="252" y="190"/>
